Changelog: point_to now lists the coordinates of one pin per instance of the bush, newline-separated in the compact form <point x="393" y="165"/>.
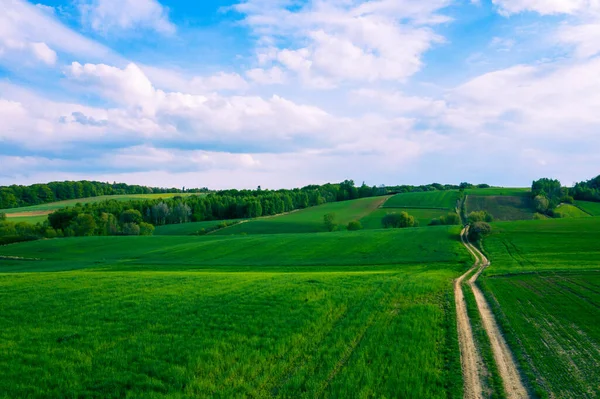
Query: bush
<point x="479" y="216"/>
<point x="538" y="216"/>
<point x="479" y="230"/>
<point x="354" y="225"/>
<point x="541" y="204"/>
<point x="146" y="229"/>
<point x="435" y="222"/>
<point x="131" y="229"/>
<point x="567" y="199"/>
<point x="2" y="216"/>
<point x="329" y="222"/>
<point x="398" y="220"/>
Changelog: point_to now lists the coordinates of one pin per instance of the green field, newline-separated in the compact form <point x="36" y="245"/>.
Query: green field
<point x="186" y="229"/>
<point x="423" y="216"/>
<point x="499" y="191"/>
<point x="592" y="208"/>
<point x="241" y="253"/>
<point x="309" y="220"/>
<point x="502" y="207"/>
<point x="544" y="245"/>
<point x="569" y="211"/>
<point x="267" y="315"/>
<point x="52" y="206"/>
<point x="544" y="286"/>
<point x="28" y="219"/>
<point x="430" y="199"/>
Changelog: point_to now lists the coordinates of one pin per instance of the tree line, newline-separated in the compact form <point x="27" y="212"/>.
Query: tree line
<point x="16" y="196"/>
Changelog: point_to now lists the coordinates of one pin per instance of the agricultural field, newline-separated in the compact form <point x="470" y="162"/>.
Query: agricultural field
<point x="502" y="207"/>
<point x="344" y="314"/>
<point x="423" y="216"/>
<point x="28" y="218"/>
<point x="569" y="211"/>
<point x="186" y="229"/>
<point x="430" y="199"/>
<point x="544" y="287"/>
<point x="592" y="208"/>
<point x="309" y="220"/>
<point x="499" y="191"/>
<point x="544" y="245"/>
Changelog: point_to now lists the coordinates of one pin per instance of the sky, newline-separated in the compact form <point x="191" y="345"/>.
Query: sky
<point x="286" y="93"/>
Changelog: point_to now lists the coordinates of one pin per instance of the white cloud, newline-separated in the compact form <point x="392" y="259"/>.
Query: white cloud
<point x="345" y="41"/>
<point x="274" y="75"/>
<point x="110" y="15"/>
<point x="547" y="7"/>
<point x="44" y="53"/>
<point x="585" y="38"/>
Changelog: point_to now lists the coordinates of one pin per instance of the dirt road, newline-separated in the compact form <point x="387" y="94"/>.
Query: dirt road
<point x="470" y="357"/>
<point x="513" y="384"/>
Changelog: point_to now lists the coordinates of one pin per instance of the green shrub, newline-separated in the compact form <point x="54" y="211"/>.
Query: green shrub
<point x="398" y="220"/>
<point x="354" y="225"/>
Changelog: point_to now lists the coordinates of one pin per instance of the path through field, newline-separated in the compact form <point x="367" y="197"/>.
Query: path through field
<point x="513" y="385"/>
<point x="469" y="355"/>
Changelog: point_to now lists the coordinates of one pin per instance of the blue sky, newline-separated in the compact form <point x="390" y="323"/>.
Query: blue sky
<point x="283" y="93"/>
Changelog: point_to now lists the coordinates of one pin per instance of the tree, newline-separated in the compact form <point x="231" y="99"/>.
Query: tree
<point x="181" y="213"/>
<point x="83" y="225"/>
<point x="479" y="230"/>
<point x="131" y="229"/>
<point x="354" y="225"/>
<point x="398" y="220"/>
<point x="480" y="216"/>
<point x="450" y="219"/>
<point x="541" y="204"/>
<point x="2" y="216"/>
<point x="146" y="229"/>
<point x="62" y="218"/>
<point x="131" y="216"/>
<point x="160" y="212"/>
<point x="329" y="222"/>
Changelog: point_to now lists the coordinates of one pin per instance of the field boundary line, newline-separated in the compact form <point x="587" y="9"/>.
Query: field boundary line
<point x="507" y="367"/>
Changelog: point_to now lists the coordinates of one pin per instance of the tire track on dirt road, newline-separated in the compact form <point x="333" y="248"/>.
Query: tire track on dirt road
<point x="507" y="367"/>
<point x="470" y="358"/>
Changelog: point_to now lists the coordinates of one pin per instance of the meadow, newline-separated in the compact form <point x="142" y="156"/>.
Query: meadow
<point x="232" y="316"/>
<point x="544" y="287"/>
<point x="309" y="220"/>
<point x="502" y="207"/>
<point x="569" y="211"/>
<point x="423" y="216"/>
<point x="592" y="208"/>
<point x="429" y="199"/>
<point x="499" y="191"/>
<point x="192" y="228"/>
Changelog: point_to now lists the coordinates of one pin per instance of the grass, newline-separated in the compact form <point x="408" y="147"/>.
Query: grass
<point x="544" y="288"/>
<point x="592" y="208"/>
<point x="554" y="320"/>
<point x="344" y="314"/>
<point x="52" y="206"/>
<point x="499" y="191"/>
<point x="309" y="220"/>
<point x="502" y="207"/>
<point x="569" y="211"/>
<point x="185" y="229"/>
<point x="430" y="199"/>
<point x="282" y="252"/>
<point x="28" y="219"/>
<point x="423" y="216"/>
<point x="543" y="245"/>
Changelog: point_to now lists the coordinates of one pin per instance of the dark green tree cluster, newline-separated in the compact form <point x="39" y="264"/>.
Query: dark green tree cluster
<point x="479" y="230"/>
<point x="548" y="194"/>
<point x="399" y="221"/>
<point x="480" y="216"/>
<point x="17" y="196"/>
<point x="450" y="219"/>
<point x="587" y="190"/>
